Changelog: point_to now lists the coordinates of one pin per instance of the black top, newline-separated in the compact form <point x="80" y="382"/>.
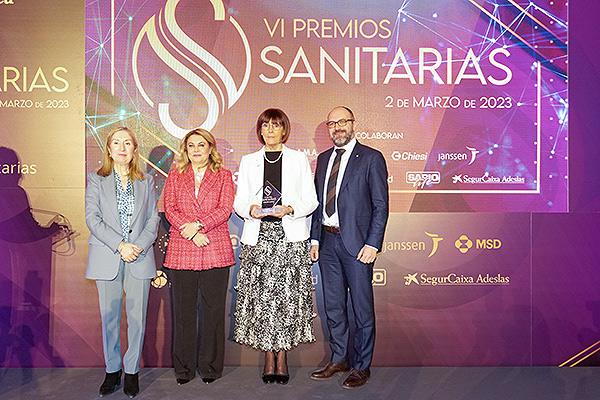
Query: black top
<point x="273" y="175"/>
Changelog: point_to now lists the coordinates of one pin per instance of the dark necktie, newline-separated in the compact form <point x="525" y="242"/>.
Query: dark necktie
<point x="335" y="169"/>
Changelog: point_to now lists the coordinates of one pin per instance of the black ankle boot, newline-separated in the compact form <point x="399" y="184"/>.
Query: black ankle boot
<point x="131" y="387"/>
<point x="111" y="382"/>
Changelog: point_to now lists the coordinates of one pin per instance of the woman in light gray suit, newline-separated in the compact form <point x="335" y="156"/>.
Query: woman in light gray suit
<point x="121" y="213"/>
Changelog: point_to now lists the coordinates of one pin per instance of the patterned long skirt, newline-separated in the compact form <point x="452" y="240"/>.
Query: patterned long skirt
<point x="274" y="309"/>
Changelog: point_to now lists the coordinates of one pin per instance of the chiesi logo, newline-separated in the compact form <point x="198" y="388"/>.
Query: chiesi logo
<point x="453" y="279"/>
<point x="487" y="178"/>
<point x="409" y="156"/>
<point x="198" y="76"/>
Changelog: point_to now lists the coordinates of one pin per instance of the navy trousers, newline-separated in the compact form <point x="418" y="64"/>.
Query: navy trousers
<point x="342" y="276"/>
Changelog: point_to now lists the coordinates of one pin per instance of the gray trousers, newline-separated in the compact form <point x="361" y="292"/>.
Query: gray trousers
<point x="110" y="294"/>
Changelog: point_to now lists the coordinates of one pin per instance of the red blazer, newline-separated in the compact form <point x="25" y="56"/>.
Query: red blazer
<point x="212" y="207"/>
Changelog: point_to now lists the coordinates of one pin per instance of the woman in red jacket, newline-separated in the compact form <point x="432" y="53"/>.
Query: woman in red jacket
<point x="198" y="202"/>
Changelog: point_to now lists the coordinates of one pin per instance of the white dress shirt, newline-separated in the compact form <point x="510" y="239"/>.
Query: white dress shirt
<point x="334" y="219"/>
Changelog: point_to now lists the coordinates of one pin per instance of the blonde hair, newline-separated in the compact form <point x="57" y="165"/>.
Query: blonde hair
<point x="215" y="161"/>
<point x="135" y="172"/>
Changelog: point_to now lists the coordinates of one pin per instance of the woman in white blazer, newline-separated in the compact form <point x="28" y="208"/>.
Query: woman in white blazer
<point x="274" y="309"/>
<point x="121" y="213"/>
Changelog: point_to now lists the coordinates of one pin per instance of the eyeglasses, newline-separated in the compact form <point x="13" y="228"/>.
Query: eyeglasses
<point x="340" y="123"/>
<point x="275" y="125"/>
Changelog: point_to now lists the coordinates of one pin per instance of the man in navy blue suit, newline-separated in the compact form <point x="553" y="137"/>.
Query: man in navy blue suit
<point x="347" y="232"/>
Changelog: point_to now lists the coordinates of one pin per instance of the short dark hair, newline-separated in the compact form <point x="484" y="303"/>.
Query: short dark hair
<point x="275" y="115"/>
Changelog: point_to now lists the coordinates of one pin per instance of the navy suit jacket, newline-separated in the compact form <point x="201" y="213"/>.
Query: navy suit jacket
<point x="362" y="201"/>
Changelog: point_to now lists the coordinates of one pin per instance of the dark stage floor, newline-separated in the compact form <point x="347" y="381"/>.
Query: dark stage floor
<point x="243" y="383"/>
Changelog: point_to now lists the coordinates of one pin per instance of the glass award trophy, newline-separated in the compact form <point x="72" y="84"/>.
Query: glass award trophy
<point x="271" y="197"/>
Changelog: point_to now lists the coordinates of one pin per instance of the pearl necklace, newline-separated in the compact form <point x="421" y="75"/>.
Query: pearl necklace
<point x="269" y="161"/>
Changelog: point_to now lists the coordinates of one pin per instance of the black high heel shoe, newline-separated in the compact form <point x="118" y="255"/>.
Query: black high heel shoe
<point x="111" y="382"/>
<point x="269" y="378"/>
<point x="283" y="379"/>
<point x="131" y="386"/>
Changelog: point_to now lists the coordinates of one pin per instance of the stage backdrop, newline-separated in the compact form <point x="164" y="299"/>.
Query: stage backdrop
<point x="466" y="99"/>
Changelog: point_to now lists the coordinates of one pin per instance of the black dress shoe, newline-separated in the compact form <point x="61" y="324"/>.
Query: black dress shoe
<point x="111" y="382"/>
<point x="268" y="378"/>
<point x="282" y="379"/>
<point x="131" y="386"/>
<point x="182" y="381"/>
<point x="208" y="380"/>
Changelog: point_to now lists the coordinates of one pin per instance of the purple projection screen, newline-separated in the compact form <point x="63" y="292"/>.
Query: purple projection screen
<point x="466" y="99"/>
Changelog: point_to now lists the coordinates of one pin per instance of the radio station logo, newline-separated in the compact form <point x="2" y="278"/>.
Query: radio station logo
<point x="418" y="246"/>
<point x="409" y="156"/>
<point x="487" y="179"/>
<point x="423" y="178"/>
<point x="379" y="277"/>
<point x="454" y="279"/>
<point x="203" y="70"/>
<point x="444" y="157"/>
<point x="464" y="244"/>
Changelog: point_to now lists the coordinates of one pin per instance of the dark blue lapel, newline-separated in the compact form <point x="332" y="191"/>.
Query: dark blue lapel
<point x="353" y="162"/>
<point x="321" y="172"/>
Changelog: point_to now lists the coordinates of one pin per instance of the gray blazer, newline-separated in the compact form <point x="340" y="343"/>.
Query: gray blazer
<point x="102" y="218"/>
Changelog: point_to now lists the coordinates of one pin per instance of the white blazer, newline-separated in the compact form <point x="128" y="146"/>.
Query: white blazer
<point x="297" y="190"/>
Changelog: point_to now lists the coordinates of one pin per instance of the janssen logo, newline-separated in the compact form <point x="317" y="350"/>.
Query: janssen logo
<point x="445" y="157"/>
<point x="193" y="63"/>
<point x="414" y="245"/>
